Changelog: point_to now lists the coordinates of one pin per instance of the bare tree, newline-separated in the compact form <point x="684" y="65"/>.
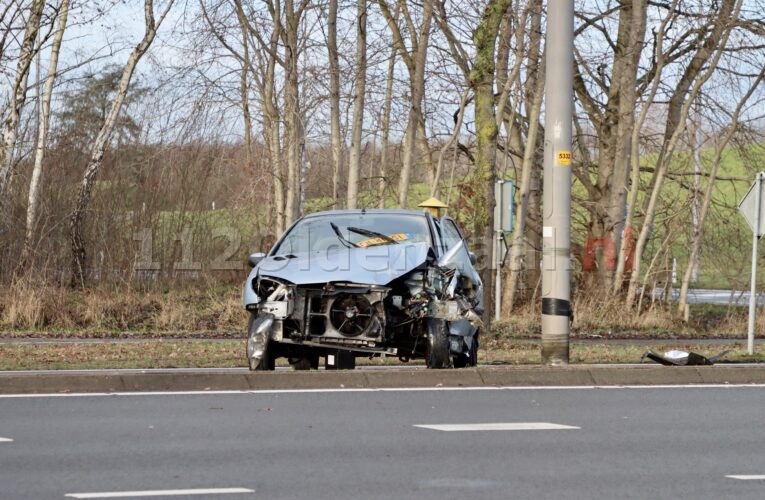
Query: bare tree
<point x="334" y="99"/>
<point x="710" y="45"/>
<point x="449" y="144"/>
<point x="482" y="82"/>
<point x="42" y="131"/>
<point x="266" y="38"/>
<point x="659" y="61"/>
<point x="613" y="121"/>
<point x="18" y="94"/>
<point x="415" y="64"/>
<point x="8" y="16"/>
<point x="385" y="125"/>
<point x="269" y="100"/>
<point x="293" y="117"/>
<point x="354" y="160"/>
<point x="480" y="76"/>
<point x="531" y="45"/>
<point x="244" y="86"/>
<point x="704" y="208"/>
<point x="98" y="147"/>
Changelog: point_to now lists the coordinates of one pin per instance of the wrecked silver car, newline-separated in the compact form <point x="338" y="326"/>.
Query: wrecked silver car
<point x="370" y="282"/>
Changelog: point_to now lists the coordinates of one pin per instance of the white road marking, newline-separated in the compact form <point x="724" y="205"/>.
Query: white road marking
<point x="5" y="440"/>
<point x="754" y="477"/>
<point x="510" y="426"/>
<point x="160" y="493"/>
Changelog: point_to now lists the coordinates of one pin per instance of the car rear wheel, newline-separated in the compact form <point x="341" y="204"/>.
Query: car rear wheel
<point x="438" y="355"/>
<point x="308" y="359"/>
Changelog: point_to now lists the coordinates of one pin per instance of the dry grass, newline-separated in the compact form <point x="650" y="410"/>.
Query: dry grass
<point x="24" y="305"/>
<point x="596" y="318"/>
<point x="182" y="312"/>
<point x="27" y="307"/>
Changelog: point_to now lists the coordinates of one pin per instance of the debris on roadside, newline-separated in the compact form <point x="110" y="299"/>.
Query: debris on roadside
<point x="682" y="358"/>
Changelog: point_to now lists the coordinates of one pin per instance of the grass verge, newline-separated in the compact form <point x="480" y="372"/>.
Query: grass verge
<point x="201" y="327"/>
<point x="231" y="353"/>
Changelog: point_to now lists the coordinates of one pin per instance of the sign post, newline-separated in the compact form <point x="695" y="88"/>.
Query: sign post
<point x="751" y="207"/>
<point x="504" y="194"/>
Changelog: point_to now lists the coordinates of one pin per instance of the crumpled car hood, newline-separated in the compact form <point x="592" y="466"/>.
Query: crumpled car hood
<point x="376" y="265"/>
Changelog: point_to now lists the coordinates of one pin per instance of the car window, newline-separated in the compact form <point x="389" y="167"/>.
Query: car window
<point x="359" y="229"/>
<point x="451" y="233"/>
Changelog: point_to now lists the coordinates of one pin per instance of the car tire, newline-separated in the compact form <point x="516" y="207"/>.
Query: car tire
<point x="308" y="360"/>
<point x="470" y="358"/>
<point x="474" y="351"/>
<point x="438" y="355"/>
<point x="267" y="361"/>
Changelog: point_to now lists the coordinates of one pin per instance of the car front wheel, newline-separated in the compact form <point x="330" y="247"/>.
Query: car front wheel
<point x="438" y="355"/>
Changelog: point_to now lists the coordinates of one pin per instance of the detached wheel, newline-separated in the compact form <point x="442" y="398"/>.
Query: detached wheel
<point x="438" y="355"/>
<point x="261" y="349"/>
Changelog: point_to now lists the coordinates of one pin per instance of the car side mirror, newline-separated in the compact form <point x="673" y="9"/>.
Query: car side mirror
<point x="473" y="258"/>
<point x="255" y="258"/>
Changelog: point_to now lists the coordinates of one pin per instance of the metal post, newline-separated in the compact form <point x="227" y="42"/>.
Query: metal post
<point x="559" y="98"/>
<point x="499" y="195"/>
<point x="755" y="239"/>
<point x="498" y="278"/>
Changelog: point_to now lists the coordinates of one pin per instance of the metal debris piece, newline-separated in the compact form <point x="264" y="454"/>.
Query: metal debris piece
<point x="682" y="358"/>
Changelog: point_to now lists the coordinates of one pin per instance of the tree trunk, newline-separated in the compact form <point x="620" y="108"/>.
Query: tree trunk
<point x="42" y="134"/>
<point x="614" y="127"/>
<point x="354" y="160"/>
<point x="264" y="75"/>
<point x="78" y="218"/>
<point x="528" y="187"/>
<point x="293" y="119"/>
<point x="18" y="96"/>
<point x="244" y="92"/>
<point x="273" y="130"/>
<point x="627" y="238"/>
<point x="383" y="184"/>
<point x="334" y="101"/>
<point x="425" y="158"/>
<point x="484" y="167"/>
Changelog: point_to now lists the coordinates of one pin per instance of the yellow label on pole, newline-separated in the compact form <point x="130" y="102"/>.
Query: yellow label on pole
<point x="564" y="157"/>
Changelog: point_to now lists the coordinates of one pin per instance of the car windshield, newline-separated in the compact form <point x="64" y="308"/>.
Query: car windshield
<point x="359" y="230"/>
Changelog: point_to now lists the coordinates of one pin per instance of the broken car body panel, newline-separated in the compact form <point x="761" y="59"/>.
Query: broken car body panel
<point x="366" y="281"/>
<point x="678" y="357"/>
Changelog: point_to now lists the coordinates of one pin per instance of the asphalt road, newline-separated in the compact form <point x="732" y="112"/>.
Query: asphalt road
<point x="605" y="443"/>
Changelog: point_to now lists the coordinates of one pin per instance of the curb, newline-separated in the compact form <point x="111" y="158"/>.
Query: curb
<point x="110" y="381"/>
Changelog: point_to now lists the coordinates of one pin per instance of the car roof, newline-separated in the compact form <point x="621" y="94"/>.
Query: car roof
<point x="387" y="211"/>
